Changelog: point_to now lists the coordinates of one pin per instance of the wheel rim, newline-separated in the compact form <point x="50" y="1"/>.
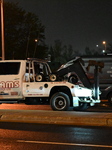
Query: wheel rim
<point x="39" y="78"/>
<point x="53" y="77"/>
<point x="60" y="103"/>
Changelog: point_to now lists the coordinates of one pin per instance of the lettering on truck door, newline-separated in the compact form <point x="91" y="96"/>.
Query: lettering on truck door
<point x="10" y="80"/>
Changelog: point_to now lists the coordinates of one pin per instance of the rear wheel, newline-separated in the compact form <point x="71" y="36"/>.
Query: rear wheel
<point x="60" y="101"/>
<point x="82" y="106"/>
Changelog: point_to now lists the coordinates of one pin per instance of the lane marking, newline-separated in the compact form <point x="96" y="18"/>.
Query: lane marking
<point x="68" y="144"/>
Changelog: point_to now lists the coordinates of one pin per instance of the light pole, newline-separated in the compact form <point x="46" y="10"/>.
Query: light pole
<point x="36" y="42"/>
<point x="2" y="31"/>
<point x="104" y="43"/>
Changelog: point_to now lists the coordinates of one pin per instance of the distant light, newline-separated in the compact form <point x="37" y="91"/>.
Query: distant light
<point x="104" y="42"/>
<point x="36" y="40"/>
<point x="97" y="45"/>
<point x="103" y="51"/>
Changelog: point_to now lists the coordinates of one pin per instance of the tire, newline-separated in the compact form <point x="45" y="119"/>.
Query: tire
<point x="60" y="101"/>
<point x="52" y="77"/>
<point x="73" y="79"/>
<point x="81" y="107"/>
<point x="110" y="99"/>
<point x="39" y="77"/>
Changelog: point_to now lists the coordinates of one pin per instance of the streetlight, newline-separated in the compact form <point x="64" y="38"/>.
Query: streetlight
<point x="2" y="30"/>
<point x="104" y="43"/>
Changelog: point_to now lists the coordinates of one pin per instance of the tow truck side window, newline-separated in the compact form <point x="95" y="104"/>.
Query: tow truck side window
<point x="9" y="68"/>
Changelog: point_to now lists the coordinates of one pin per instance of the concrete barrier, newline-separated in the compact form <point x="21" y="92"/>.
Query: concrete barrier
<point x="57" y="117"/>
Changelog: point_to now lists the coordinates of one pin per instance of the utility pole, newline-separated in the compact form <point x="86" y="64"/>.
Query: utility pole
<point x="104" y="43"/>
<point x="2" y="31"/>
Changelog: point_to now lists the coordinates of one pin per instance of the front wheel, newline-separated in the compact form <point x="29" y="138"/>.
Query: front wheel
<point x="82" y="106"/>
<point x="60" y="101"/>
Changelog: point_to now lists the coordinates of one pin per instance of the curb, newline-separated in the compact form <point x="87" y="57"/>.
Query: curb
<point x="56" y="117"/>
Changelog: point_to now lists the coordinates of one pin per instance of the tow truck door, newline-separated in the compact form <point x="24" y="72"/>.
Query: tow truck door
<point x="35" y="87"/>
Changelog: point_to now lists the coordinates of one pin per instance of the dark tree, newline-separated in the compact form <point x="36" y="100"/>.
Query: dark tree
<point x="61" y="53"/>
<point x="88" y="51"/>
<point x="109" y="48"/>
<point x="21" y="30"/>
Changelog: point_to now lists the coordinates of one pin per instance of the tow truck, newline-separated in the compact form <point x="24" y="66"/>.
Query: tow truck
<point x="32" y="81"/>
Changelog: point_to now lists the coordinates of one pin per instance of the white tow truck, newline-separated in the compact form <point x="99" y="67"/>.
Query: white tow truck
<point x="32" y="81"/>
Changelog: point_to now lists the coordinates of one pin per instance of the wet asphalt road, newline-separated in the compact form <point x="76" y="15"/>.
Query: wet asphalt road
<point x="20" y="136"/>
<point x="17" y="136"/>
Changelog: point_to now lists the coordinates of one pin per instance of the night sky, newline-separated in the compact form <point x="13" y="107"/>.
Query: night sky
<point x="80" y="23"/>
